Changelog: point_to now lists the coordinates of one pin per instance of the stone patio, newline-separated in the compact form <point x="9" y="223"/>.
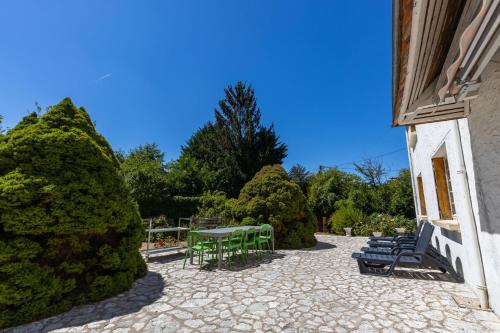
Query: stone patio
<point x="316" y="290"/>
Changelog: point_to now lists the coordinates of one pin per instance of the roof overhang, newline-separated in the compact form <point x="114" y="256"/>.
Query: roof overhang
<point x="440" y="49"/>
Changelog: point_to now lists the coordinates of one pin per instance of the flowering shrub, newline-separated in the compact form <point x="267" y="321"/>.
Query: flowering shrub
<point x="384" y="223"/>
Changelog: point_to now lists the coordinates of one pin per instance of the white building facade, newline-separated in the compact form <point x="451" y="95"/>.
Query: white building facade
<point x="446" y="92"/>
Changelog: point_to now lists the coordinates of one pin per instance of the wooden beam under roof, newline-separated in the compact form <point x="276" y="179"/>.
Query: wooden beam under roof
<point x="436" y="113"/>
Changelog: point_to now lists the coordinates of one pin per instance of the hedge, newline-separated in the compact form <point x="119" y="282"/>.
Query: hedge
<point x="69" y="230"/>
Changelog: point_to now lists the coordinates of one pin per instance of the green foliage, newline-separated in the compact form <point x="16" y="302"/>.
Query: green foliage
<point x="401" y="202"/>
<point x="69" y="229"/>
<point x="216" y="204"/>
<point x="346" y="216"/>
<point x="328" y="187"/>
<point x="236" y="145"/>
<point x="369" y="199"/>
<point x="299" y="174"/>
<point x="179" y="206"/>
<point x="384" y="223"/>
<point x="271" y="197"/>
<point x="187" y="177"/>
<point x="146" y="178"/>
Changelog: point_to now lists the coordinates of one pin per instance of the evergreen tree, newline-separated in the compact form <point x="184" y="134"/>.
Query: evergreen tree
<point x="236" y="145"/>
<point x="271" y="197"/>
<point x="299" y="174"/>
<point x="69" y="230"/>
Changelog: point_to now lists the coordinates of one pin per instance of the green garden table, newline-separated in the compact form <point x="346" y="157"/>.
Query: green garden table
<point x="222" y="233"/>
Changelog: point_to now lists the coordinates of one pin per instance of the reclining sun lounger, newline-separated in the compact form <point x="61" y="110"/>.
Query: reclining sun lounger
<point x="400" y="240"/>
<point x="420" y="257"/>
<point x="395" y="238"/>
<point x="392" y="244"/>
<point x="389" y="250"/>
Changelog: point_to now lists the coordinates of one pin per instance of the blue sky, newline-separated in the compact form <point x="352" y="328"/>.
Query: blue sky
<point x="153" y="71"/>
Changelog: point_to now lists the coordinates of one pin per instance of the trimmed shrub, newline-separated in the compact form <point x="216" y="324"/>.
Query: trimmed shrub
<point x="69" y="229"/>
<point x="271" y="197"/>
<point x="346" y="217"/>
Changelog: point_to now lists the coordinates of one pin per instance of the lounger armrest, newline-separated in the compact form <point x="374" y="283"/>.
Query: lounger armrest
<point x="401" y="247"/>
<point x="405" y="254"/>
<point x="405" y="241"/>
<point x="405" y="237"/>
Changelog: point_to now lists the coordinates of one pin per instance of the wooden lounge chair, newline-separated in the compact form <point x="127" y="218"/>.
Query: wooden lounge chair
<point x="421" y="257"/>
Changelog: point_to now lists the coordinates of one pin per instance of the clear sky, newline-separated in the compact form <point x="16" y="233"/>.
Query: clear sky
<point x="153" y="71"/>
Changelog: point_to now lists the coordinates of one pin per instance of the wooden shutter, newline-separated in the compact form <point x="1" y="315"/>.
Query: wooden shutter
<point x="438" y="164"/>
<point x="421" y="196"/>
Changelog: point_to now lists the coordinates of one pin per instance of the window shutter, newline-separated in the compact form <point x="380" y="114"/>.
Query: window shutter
<point x="421" y="196"/>
<point x="438" y="164"/>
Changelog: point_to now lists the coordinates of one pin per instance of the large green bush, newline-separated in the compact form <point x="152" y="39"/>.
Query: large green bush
<point x="328" y="187"/>
<point x="271" y="197"/>
<point x="346" y="216"/>
<point x="69" y="230"/>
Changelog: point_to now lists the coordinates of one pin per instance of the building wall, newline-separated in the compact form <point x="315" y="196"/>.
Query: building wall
<point x="431" y="140"/>
<point x="484" y="123"/>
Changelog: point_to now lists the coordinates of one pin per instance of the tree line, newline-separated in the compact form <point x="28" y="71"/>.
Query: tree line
<point x="226" y="153"/>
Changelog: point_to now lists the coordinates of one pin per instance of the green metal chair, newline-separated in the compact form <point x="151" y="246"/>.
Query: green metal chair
<point x="197" y="246"/>
<point x="233" y="244"/>
<point x="265" y="237"/>
<point x="208" y="242"/>
<point x="250" y="242"/>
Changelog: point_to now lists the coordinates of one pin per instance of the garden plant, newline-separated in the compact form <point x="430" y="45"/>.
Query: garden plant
<point x="69" y="229"/>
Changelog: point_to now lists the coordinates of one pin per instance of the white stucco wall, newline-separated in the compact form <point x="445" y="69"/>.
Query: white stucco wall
<point x="480" y="141"/>
<point x="431" y="138"/>
<point x="484" y="123"/>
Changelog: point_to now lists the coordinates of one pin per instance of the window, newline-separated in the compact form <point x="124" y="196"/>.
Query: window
<point x="421" y="196"/>
<point x="443" y="188"/>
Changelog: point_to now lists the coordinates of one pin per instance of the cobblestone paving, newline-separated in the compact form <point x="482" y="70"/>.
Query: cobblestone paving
<point x="316" y="290"/>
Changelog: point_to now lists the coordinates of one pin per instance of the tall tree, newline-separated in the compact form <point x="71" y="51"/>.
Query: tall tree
<point x="372" y="171"/>
<point x="299" y="174"/>
<point x="236" y="145"/>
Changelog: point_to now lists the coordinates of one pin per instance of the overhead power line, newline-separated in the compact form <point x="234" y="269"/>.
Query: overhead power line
<point x="368" y="158"/>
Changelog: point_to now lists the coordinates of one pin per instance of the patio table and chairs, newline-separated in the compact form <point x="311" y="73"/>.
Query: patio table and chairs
<point x="230" y="240"/>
